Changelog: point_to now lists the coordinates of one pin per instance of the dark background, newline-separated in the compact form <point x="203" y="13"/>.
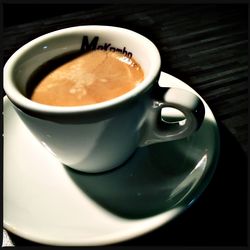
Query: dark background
<point x="206" y="47"/>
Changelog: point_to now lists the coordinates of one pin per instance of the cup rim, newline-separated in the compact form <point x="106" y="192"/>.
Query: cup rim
<point x="23" y="102"/>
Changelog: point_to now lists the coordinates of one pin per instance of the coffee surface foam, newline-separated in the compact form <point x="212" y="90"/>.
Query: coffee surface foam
<point x="94" y="77"/>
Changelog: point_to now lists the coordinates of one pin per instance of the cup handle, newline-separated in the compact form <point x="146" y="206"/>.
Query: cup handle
<point x="174" y="114"/>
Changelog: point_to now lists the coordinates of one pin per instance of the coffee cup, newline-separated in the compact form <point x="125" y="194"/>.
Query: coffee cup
<point x="98" y="137"/>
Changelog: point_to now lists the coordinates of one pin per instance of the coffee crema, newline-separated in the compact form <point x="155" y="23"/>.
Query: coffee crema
<point x="94" y="77"/>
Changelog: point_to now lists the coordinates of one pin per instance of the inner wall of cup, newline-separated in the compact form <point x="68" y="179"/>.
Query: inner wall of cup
<point x="42" y="50"/>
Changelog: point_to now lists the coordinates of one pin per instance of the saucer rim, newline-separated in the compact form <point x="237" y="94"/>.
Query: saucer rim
<point x="195" y="193"/>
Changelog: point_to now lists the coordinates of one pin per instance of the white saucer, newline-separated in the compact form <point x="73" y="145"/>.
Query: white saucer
<point x="51" y="204"/>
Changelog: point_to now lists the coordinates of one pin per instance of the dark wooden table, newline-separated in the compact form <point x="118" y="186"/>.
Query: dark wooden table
<point x="206" y="47"/>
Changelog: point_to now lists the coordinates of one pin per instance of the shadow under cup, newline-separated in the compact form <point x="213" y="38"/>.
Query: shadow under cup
<point x="91" y="138"/>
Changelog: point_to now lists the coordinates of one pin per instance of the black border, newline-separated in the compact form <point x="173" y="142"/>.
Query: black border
<point x="117" y="2"/>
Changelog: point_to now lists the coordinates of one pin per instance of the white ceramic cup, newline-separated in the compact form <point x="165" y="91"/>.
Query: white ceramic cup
<point x="98" y="137"/>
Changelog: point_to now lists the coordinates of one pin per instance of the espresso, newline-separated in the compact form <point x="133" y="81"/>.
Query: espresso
<point x="94" y="77"/>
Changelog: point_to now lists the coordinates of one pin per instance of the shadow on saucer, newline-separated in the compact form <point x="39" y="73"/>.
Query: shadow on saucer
<point x="156" y="178"/>
<point x="219" y="216"/>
